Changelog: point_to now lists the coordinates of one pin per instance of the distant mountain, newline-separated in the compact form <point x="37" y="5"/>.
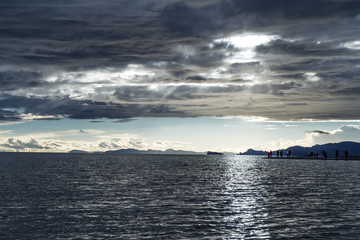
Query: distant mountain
<point x="168" y="151"/>
<point x="254" y="152"/>
<point x="353" y="149"/>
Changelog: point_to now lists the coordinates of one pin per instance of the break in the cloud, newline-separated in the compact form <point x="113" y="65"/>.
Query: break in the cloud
<point x="348" y="132"/>
<point x="279" y="59"/>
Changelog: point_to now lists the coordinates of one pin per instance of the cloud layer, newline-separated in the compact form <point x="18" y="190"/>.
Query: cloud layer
<point x="283" y="60"/>
<point x="96" y="142"/>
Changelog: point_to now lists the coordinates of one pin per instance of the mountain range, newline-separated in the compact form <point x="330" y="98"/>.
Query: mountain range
<point x="353" y="149"/>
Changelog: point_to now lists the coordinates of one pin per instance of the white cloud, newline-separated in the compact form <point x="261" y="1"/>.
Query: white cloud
<point x="353" y="45"/>
<point x="13" y="144"/>
<point x="344" y="133"/>
<point x="247" y="40"/>
<point x="119" y="141"/>
<point x="312" y="77"/>
<point x="89" y="140"/>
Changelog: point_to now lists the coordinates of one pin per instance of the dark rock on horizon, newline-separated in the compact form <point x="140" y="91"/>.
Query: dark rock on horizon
<point x="254" y="152"/>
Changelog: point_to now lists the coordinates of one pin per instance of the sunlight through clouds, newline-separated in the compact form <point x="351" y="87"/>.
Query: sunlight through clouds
<point x="353" y="45"/>
<point x="247" y="40"/>
<point x="312" y="77"/>
<point x="245" y="43"/>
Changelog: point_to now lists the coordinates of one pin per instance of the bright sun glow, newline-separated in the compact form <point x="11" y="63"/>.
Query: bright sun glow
<point x="353" y="45"/>
<point x="312" y="77"/>
<point x="247" y="40"/>
<point x="246" y="44"/>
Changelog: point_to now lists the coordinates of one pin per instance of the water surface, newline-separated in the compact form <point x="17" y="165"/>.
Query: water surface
<point x="83" y="196"/>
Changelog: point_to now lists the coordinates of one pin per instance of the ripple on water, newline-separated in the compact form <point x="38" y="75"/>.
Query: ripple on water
<point x="63" y="196"/>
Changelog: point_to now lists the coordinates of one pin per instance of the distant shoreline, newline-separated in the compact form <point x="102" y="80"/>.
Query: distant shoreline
<point x="350" y="158"/>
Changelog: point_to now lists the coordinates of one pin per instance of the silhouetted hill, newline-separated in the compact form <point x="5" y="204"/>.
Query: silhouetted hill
<point x="330" y="148"/>
<point x="254" y="152"/>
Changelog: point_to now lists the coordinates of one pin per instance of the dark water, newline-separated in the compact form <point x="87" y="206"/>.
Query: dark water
<point x="75" y="196"/>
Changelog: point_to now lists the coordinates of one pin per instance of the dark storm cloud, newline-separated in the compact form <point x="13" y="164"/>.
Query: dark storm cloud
<point x="9" y="115"/>
<point x="81" y="109"/>
<point x="215" y="18"/>
<point x="315" y="50"/>
<point x="302" y="49"/>
<point x="244" y="67"/>
<point x="182" y="92"/>
<point x="10" y="80"/>
<point x="181" y="18"/>
<point x="196" y="78"/>
<point x="202" y="59"/>
<point x="347" y="91"/>
<point x="299" y="9"/>
<point x="338" y="66"/>
<point x="77" y="34"/>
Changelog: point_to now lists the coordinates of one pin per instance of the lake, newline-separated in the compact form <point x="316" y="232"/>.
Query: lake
<point x="90" y="196"/>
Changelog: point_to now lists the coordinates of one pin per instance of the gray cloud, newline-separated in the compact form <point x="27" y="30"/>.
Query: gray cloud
<point x="166" y="93"/>
<point x="196" y="78"/>
<point x="16" y="144"/>
<point x="302" y="49"/>
<point x="319" y="132"/>
<point x="77" y="109"/>
<point x="9" y="115"/>
<point x="123" y="120"/>
<point x="10" y="80"/>
<point x="50" y="53"/>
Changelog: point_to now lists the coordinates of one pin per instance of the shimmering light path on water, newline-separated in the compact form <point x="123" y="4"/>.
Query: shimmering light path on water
<point x="76" y="196"/>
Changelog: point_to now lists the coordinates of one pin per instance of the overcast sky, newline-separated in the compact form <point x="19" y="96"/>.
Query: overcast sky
<point x="113" y="65"/>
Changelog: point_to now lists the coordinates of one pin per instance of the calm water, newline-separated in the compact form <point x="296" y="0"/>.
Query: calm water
<point x="76" y="196"/>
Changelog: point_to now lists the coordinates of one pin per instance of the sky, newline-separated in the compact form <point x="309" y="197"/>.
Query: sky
<point x="200" y="75"/>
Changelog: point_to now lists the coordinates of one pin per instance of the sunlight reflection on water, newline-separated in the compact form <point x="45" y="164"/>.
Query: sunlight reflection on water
<point x="241" y="189"/>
